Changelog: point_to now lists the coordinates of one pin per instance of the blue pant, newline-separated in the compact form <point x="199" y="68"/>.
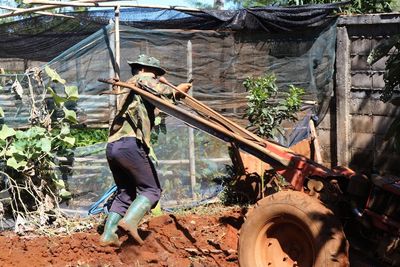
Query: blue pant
<point x="133" y="172"/>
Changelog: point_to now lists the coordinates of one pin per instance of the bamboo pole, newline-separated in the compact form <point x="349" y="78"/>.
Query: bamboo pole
<point x="37" y="12"/>
<point x="106" y="4"/>
<point x="84" y="3"/>
<point x="27" y="10"/>
<point x="192" y="155"/>
<point x="35" y="9"/>
<point x="117" y="52"/>
<point x="111" y="66"/>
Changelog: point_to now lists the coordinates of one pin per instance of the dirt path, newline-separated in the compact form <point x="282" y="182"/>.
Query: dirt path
<point x="170" y="240"/>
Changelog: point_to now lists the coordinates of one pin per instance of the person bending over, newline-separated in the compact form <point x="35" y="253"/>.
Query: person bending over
<point x="138" y="187"/>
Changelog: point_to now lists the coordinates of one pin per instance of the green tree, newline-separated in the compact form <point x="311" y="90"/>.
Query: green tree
<point x="390" y="48"/>
<point x="357" y="6"/>
<point x="265" y="112"/>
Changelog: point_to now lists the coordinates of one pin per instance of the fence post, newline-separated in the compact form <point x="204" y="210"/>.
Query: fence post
<point x="343" y="86"/>
<point x="192" y="156"/>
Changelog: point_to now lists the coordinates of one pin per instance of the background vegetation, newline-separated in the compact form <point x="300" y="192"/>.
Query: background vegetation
<point x="389" y="49"/>
<point x="354" y="6"/>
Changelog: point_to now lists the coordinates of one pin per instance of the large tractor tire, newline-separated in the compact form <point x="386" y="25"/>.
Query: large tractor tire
<point x="290" y="228"/>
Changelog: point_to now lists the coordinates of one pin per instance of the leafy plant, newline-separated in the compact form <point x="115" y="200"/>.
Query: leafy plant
<point x="29" y="155"/>
<point x="356" y="6"/>
<point x="390" y="48"/>
<point x="392" y="69"/>
<point x="89" y="136"/>
<point x="264" y="112"/>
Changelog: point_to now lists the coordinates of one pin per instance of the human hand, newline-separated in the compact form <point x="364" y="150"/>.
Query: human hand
<point x="184" y="87"/>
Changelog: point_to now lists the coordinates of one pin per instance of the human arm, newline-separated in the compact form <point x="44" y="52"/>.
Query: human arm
<point x="183" y="87"/>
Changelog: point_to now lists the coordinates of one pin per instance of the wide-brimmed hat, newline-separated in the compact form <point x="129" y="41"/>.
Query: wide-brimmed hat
<point x="145" y="60"/>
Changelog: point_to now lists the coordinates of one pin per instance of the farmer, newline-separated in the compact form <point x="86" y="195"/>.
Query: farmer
<point x="138" y="188"/>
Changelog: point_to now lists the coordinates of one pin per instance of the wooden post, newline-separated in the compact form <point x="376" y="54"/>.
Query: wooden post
<point x="117" y="52"/>
<point x="111" y="73"/>
<point x="343" y="86"/>
<point x="192" y="156"/>
<point x="117" y="44"/>
<point x="315" y="142"/>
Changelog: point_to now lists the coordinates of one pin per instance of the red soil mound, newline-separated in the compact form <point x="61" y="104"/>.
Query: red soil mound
<point x="170" y="240"/>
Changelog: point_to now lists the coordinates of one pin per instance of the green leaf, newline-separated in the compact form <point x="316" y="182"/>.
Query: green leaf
<point x="157" y="120"/>
<point x="54" y="76"/>
<point x="18" y="146"/>
<point x="35" y="131"/>
<point x="59" y="183"/>
<point x="59" y="100"/>
<point x="69" y="140"/>
<point x="10" y="151"/>
<point x="70" y="115"/>
<point x="12" y="162"/>
<point x="72" y="92"/>
<point x="20" y="135"/>
<point x="6" y="132"/>
<point x="64" y="194"/>
<point x="65" y="130"/>
<point x="1" y="113"/>
<point x="45" y="144"/>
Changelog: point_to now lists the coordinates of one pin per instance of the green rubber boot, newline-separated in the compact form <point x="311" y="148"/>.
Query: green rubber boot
<point x="109" y="236"/>
<point x="134" y="215"/>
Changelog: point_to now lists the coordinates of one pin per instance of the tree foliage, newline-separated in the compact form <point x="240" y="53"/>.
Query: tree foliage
<point x="265" y="112"/>
<point x="356" y="6"/>
<point x="390" y="49"/>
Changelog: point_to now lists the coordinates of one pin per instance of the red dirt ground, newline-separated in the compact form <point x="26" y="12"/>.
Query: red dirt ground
<point x="173" y="241"/>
